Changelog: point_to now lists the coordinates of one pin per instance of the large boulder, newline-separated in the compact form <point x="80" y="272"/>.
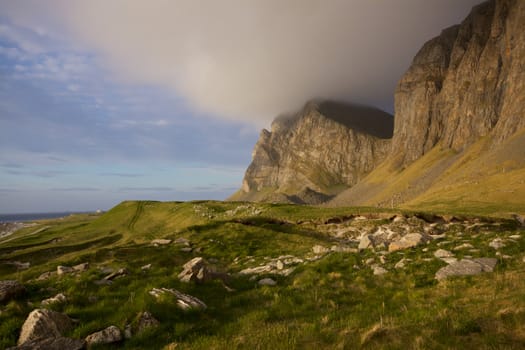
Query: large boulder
<point x="466" y="267"/>
<point x="10" y="289"/>
<point x="110" y="335"/>
<point x="43" y="324"/>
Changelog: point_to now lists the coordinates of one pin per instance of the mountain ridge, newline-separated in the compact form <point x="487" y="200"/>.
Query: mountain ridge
<point x="460" y="101"/>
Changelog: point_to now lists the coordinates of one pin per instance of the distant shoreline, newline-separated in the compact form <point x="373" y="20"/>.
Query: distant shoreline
<point x="23" y="217"/>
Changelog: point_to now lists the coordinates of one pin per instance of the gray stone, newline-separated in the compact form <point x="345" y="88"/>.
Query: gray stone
<point x="62" y="270"/>
<point x="184" y="301"/>
<point x="319" y="249"/>
<point x="110" y="335"/>
<point x="279" y="264"/>
<point x="119" y="273"/>
<point x="442" y="253"/>
<point x="59" y="298"/>
<point x="365" y="242"/>
<point x="378" y="270"/>
<point x="408" y="241"/>
<point x="195" y="270"/>
<point x="46" y="275"/>
<point x="81" y="267"/>
<point x="10" y="289"/>
<point x="464" y="246"/>
<point x="497" y="243"/>
<point x="267" y="282"/>
<point x="160" y="241"/>
<point x="466" y="267"/>
<point x="42" y="324"/>
<point x="256" y="270"/>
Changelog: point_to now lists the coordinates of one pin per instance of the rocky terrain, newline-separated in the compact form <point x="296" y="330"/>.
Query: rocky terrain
<point x="458" y="120"/>
<point x="312" y="155"/>
<point x="209" y="274"/>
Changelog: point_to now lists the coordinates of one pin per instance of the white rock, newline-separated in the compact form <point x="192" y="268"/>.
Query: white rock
<point x="62" y="270"/>
<point x="319" y="249"/>
<point x="497" y="243"/>
<point x="378" y="270"/>
<point x="160" y="241"/>
<point x="59" y="298"/>
<point x="184" y="301"/>
<point x="442" y="253"/>
<point x="112" y="334"/>
<point x="267" y="282"/>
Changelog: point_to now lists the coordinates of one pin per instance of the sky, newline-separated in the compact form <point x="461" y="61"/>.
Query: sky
<point x="104" y="101"/>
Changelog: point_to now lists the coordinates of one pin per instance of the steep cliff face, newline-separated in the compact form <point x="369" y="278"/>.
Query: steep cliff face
<point x="459" y="130"/>
<point x="324" y="148"/>
<point x="464" y="84"/>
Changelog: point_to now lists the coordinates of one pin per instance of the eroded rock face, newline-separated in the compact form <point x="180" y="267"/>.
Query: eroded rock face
<point x="327" y="144"/>
<point x="43" y="324"/>
<point x="464" y="84"/>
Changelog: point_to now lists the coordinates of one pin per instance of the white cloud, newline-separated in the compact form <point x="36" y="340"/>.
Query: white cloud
<point x="251" y="60"/>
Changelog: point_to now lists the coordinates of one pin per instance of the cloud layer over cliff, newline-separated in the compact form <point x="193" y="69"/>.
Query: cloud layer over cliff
<point x="251" y="60"/>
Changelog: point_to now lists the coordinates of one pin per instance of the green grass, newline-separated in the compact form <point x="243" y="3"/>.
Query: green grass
<point x="333" y="302"/>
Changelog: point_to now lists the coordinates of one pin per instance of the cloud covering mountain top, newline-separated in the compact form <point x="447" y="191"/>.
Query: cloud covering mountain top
<point x="250" y="60"/>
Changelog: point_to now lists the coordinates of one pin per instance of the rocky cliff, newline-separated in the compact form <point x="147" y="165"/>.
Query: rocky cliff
<point x="459" y="131"/>
<point x="464" y="84"/>
<point x="309" y="156"/>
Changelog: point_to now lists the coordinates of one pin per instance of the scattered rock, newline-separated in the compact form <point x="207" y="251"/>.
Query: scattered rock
<point x="46" y="275"/>
<point x="378" y="270"/>
<point x="319" y="249"/>
<point x="408" y="241"/>
<point x="160" y="241"/>
<point x="186" y="249"/>
<point x="369" y="261"/>
<point x="464" y="246"/>
<point x="182" y="241"/>
<point x="365" y="242"/>
<point x="42" y="324"/>
<point x="119" y="273"/>
<point x="195" y="270"/>
<point x="256" y="270"/>
<point x="59" y="298"/>
<point x="81" y="267"/>
<point x="343" y="249"/>
<point x="145" y="321"/>
<point x="515" y="236"/>
<point x="279" y="264"/>
<point x="184" y="301"/>
<point x="146" y="267"/>
<point x="62" y="270"/>
<point x="466" y="267"/>
<point x="110" y="335"/>
<point x="58" y="343"/>
<point x="10" y="289"/>
<point x="497" y="243"/>
<point x="267" y="282"/>
<point x="442" y="253"/>
<point x="401" y="263"/>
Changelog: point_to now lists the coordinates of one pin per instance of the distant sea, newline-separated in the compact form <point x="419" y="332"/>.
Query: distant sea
<point x="32" y="216"/>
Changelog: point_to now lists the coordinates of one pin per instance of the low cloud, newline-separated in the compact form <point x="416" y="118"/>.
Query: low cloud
<point x="249" y="60"/>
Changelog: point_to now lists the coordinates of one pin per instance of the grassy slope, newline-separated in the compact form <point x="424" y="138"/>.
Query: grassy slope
<point x="325" y="304"/>
<point x="483" y="179"/>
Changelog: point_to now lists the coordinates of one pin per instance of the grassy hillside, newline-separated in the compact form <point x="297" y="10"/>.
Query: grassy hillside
<point x="331" y="299"/>
<point x="484" y="179"/>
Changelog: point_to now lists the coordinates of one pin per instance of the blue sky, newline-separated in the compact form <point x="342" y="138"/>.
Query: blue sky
<point x="72" y="138"/>
<point x="103" y="101"/>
